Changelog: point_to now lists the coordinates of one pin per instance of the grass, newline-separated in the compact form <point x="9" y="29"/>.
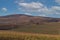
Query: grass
<point x="48" y="31"/>
<point x="11" y="35"/>
<point x="48" y="28"/>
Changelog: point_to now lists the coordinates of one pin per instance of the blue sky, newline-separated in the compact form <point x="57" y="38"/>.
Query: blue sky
<point x="48" y="8"/>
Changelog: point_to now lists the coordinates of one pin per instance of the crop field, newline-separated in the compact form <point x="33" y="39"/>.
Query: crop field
<point x="11" y="35"/>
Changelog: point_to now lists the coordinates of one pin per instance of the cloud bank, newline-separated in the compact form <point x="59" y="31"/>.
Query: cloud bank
<point x="39" y="8"/>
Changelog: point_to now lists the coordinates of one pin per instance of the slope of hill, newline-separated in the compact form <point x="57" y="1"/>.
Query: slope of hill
<point x="26" y="23"/>
<point x="21" y="18"/>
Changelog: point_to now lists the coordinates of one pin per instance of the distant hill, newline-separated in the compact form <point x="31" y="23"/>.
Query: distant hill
<point x="18" y="19"/>
<point x="21" y="19"/>
<point x="27" y="23"/>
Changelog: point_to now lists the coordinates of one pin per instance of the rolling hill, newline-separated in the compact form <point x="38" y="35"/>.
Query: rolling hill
<point x="27" y="23"/>
<point x="18" y="19"/>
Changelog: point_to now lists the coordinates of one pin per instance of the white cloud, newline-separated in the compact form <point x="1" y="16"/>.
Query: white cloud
<point x="38" y="7"/>
<point x="56" y="7"/>
<point x="4" y="9"/>
<point x="28" y="13"/>
<point x="32" y="5"/>
<point x="16" y="1"/>
<point x="41" y="15"/>
<point x="57" y="1"/>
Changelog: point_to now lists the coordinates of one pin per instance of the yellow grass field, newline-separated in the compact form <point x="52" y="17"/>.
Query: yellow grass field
<point x="11" y="35"/>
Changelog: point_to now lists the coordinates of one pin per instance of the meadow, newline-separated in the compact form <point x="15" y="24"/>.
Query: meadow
<point x="47" y="28"/>
<point x="11" y="35"/>
<point x="47" y="31"/>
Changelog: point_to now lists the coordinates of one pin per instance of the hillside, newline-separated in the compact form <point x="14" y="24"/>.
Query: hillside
<point x="18" y="19"/>
<point x="31" y="24"/>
